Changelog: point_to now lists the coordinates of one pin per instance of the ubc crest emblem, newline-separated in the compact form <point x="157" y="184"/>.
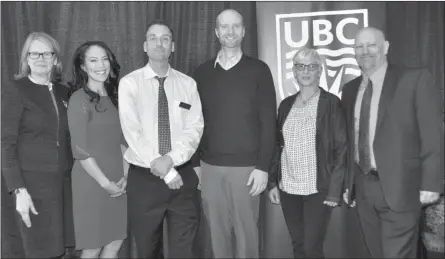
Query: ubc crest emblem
<point x="332" y="34"/>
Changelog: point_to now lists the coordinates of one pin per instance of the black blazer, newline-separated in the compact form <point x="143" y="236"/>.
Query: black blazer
<point x="408" y="143"/>
<point x="34" y="138"/>
<point x="331" y="144"/>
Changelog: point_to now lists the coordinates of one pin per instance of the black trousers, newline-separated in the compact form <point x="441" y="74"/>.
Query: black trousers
<point x="150" y="201"/>
<point x="307" y="219"/>
<point x="387" y="233"/>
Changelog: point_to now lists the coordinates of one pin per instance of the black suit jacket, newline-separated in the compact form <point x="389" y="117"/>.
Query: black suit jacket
<point x="408" y="144"/>
<point x="34" y="138"/>
<point x="331" y="144"/>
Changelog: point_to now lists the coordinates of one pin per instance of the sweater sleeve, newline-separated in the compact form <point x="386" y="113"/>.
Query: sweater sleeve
<point x="267" y="105"/>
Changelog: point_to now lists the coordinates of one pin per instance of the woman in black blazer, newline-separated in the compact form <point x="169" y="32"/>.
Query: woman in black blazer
<point x="36" y="151"/>
<point x="309" y="161"/>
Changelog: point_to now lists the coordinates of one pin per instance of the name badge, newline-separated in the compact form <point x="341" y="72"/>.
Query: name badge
<point x="185" y="105"/>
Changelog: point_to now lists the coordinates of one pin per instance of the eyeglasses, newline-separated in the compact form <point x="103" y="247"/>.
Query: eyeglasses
<point x="36" y="55"/>
<point x="302" y="67"/>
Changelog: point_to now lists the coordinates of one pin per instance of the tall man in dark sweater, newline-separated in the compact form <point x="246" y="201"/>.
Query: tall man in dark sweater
<point x="239" y="107"/>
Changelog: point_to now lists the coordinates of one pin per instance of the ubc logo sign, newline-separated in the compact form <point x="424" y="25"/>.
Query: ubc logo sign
<point x="332" y="33"/>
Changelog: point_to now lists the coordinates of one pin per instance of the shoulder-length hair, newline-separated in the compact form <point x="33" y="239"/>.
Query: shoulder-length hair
<point x="24" y="70"/>
<point x="80" y="77"/>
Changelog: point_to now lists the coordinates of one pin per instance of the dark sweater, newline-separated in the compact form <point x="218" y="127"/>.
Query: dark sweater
<point x="239" y="108"/>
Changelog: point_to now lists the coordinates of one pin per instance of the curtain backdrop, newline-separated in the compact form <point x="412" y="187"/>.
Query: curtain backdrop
<point x="122" y="25"/>
<point x="415" y="31"/>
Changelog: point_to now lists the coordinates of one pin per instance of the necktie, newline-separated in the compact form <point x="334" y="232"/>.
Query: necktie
<point x="164" y="138"/>
<point x="364" y="148"/>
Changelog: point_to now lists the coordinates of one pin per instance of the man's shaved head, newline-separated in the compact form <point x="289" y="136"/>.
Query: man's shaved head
<point x="230" y="29"/>
<point x="376" y="33"/>
<point x="228" y="13"/>
<point x="371" y="49"/>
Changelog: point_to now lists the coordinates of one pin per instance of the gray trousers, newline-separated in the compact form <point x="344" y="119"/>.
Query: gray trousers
<point x="229" y="209"/>
<point x="387" y="233"/>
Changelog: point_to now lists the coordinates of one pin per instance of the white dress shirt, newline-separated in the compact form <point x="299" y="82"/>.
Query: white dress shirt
<point x="377" y="79"/>
<point x="230" y="62"/>
<point x="138" y="112"/>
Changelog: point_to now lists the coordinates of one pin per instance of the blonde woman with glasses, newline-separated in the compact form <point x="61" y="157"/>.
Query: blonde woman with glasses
<point x="309" y="162"/>
<point x="36" y="153"/>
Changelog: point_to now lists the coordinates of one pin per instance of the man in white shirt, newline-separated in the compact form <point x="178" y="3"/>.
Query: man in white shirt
<point x="161" y="118"/>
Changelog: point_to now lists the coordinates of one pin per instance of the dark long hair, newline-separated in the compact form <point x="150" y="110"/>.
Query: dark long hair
<point x="80" y="77"/>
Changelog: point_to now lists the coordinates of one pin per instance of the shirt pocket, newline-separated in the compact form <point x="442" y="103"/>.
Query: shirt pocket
<point x="179" y="114"/>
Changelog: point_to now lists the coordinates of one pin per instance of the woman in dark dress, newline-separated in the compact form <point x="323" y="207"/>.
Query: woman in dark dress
<point x="99" y="172"/>
<point x="35" y="152"/>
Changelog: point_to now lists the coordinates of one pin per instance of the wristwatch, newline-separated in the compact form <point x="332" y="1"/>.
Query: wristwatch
<point x="18" y="190"/>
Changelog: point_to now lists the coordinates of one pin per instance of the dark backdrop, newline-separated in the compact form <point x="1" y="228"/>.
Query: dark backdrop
<point x="122" y="26"/>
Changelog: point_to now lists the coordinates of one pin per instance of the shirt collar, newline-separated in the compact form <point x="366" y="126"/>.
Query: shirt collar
<point x="149" y="73"/>
<point x="379" y="74"/>
<point x="50" y="85"/>
<point x="233" y="59"/>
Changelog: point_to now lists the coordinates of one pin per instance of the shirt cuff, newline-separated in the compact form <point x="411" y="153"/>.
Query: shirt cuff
<point x="170" y="175"/>
<point x="176" y="157"/>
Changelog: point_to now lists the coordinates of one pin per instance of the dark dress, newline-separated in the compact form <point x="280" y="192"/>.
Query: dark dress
<point x="98" y="218"/>
<point x="35" y="155"/>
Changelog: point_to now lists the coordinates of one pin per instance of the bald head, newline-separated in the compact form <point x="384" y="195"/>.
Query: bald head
<point x="370" y="49"/>
<point x="371" y="32"/>
<point x="229" y="14"/>
<point x="230" y="29"/>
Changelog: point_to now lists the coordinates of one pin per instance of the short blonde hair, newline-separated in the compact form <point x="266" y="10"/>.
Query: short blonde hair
<point x="56" y="73"/>
<point x="307" y="53"/>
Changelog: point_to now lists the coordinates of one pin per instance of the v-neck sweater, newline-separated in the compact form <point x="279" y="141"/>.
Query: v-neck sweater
<point x="239" y="108"/>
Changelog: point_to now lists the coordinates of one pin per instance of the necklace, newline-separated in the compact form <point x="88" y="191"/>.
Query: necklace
<point x="308" y="99"/>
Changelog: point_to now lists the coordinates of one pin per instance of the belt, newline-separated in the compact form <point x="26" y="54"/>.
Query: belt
<point x="373" y="174"/>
